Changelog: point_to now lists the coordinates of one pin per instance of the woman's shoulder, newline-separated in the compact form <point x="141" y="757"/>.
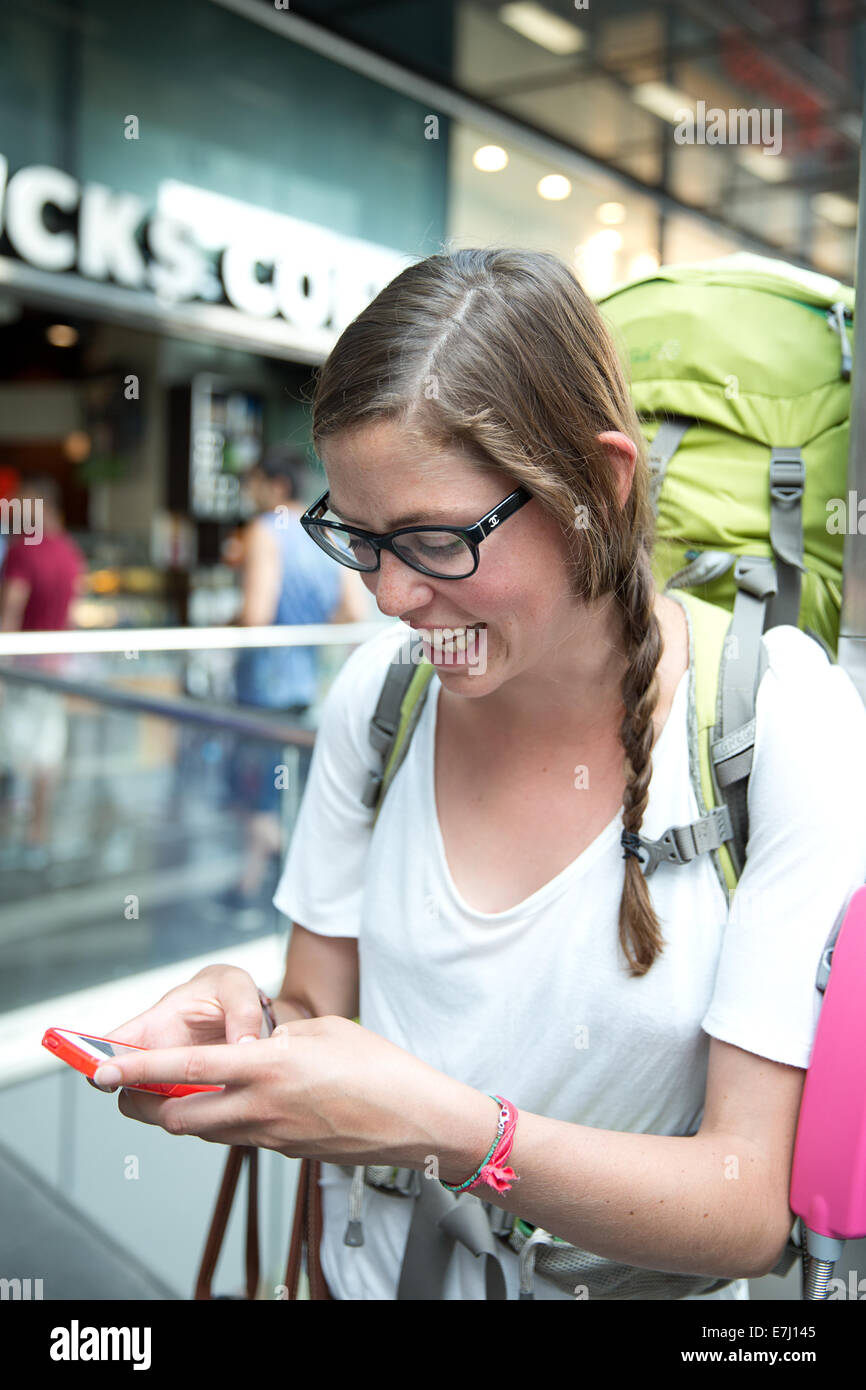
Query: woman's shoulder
<point x="800" y="664"/>
<point x="354" y="692"/>
<point x="807" y="701"/>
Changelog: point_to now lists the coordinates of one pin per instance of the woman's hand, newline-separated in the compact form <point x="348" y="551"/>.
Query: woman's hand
<point x="218" y="1005"/>
<point x="322" y="1088"/>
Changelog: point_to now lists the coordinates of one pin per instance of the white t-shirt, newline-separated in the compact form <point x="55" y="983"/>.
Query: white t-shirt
<point x="536" y="1003"/>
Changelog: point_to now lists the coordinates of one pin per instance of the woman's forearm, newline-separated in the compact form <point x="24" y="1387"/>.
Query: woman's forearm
<point x="696" y="1205"/>
<point x="288" y="1010"/>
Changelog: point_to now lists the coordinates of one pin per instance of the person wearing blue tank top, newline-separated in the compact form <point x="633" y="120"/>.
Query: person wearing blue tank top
<point x="285" y="581"/>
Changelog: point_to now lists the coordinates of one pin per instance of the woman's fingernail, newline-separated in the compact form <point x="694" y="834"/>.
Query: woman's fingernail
<point x="106" y="1076"/>
<point x="248" y="1037"/>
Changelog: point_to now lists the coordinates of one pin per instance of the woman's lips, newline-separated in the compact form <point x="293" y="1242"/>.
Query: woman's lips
<point x="452" y="641"/>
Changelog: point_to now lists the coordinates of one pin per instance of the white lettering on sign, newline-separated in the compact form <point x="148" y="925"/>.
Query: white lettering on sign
<point x="196" y="245"/>
<point x="28" y="194"/>
<point x="179" y="270"/>
<point x="310" y="309"/>
<point x="238" y="269"/>
<point x="106" y="236"/>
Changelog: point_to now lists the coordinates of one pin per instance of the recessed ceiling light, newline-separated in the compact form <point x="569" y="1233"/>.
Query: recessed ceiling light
<point x="61" y="335"/>
<point x="611" y="214"/>
<point x="541" y="26"/>
<point x="554" y="187"/>
<point x="490" y="158"/>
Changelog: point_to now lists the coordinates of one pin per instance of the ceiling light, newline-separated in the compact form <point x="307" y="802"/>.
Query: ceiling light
<point x="834" y="208"/>
<point x="554" y="187"/>
<point x="62" y="335"/>
<point x="611" y="214"/>
<point x="490" y="159"/>
<point x="666" y="102"/>
<point x="773" y="168"/>
<point x="539" y="25"/>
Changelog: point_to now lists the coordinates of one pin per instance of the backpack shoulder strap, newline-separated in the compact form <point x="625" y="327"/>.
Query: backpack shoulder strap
<point x="715" y="830"/>
<point x="397" y="711"/>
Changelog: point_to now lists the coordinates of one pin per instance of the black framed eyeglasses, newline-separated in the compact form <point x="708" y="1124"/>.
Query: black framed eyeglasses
<point x="444" y="552"/>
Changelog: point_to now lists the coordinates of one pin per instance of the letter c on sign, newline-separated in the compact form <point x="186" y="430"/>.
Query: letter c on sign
<point x="28" y="193"/>
<point x="244" y="291"/>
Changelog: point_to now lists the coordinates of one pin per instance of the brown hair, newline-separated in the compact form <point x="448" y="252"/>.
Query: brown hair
<point x="501" y="352"/>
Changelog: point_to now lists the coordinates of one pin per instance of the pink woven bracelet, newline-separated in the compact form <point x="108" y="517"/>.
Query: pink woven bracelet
<point x="492" y="1169"/>
<point x="495" y="1172"/>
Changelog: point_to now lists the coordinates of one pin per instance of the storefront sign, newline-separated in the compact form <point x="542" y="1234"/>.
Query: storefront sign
<point x="266" y="266"/>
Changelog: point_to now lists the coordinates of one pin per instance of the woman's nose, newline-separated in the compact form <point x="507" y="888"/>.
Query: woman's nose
<point x="397" y="587"/>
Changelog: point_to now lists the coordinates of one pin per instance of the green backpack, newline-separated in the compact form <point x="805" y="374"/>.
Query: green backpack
<point x="740" y="372"/>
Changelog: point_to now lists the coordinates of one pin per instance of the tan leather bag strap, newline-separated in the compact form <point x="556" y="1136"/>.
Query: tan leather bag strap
<point x="225" y="1199"/>
<point x="307" y="1232"/>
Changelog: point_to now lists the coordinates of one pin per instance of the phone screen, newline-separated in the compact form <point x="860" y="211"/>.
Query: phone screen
<point x="99" y="1047"/>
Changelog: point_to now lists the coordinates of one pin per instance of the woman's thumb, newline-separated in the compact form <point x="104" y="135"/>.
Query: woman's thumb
<point x="243" y="1018"/>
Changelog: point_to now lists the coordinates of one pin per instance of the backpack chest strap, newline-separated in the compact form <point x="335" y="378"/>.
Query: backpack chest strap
<point x="682" y="843"/>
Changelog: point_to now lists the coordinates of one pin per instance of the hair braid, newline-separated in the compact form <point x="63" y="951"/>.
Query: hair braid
<point x="639" y="932"/>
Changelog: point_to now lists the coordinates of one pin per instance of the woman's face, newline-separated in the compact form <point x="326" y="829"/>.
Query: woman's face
<point x="377" y="476"/>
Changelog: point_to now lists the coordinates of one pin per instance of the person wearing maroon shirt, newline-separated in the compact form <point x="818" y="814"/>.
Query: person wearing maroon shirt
<point x="41" y="574"/>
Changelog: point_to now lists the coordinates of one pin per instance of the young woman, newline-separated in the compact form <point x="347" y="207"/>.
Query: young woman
<point x="489" y="931"/>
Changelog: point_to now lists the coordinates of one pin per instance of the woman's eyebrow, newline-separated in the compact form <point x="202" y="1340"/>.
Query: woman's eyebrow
<point x="415" y="519"/>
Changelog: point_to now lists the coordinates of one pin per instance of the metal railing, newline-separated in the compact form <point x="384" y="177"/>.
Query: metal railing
<point x="185" y="639"/>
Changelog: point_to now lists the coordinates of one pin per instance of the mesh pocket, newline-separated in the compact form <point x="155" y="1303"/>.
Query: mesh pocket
<point x="571" y="1268"/>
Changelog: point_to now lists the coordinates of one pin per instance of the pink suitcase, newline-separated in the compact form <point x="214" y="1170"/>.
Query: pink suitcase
<point x="828" y="1179"/>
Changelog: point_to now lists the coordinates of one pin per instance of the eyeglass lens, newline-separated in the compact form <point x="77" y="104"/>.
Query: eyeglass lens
<point x="439" y="552"/>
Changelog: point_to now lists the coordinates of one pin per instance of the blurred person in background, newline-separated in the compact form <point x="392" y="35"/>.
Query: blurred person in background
<point x="42" y="572"/>
<point x="282" y="583"/>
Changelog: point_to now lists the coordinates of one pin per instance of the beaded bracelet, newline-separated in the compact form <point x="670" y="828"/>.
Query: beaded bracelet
<point x="491" y="1170"/>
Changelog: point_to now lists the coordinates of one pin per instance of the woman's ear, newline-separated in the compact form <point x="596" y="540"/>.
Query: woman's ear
<point x="622" y="453"/>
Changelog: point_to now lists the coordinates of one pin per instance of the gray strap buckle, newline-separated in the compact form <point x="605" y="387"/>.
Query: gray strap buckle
<point x="756" y="575"/>
<point x="665" y="848"/>
<point x="682" y="843"/>
<point x="787" y="480"/>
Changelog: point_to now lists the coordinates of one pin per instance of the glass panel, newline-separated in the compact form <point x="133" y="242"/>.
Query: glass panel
<point x="133" y="839"/>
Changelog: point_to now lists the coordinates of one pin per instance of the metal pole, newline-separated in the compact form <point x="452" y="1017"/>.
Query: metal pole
<point x="852" y="627"/>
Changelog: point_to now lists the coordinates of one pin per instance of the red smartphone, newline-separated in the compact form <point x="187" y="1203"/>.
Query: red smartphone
<point x="86" y="1054"/>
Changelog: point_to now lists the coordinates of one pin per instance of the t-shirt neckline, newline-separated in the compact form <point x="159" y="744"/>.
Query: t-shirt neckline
<point x="572" y="871"/>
